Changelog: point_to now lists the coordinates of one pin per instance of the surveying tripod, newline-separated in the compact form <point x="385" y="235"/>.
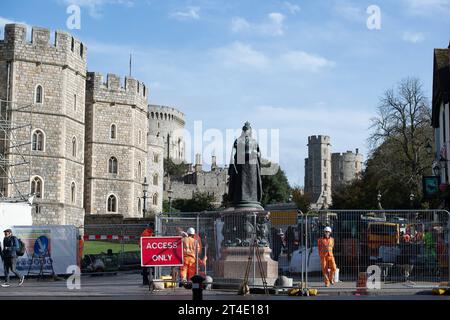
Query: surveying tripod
<point x="245" y="289"/>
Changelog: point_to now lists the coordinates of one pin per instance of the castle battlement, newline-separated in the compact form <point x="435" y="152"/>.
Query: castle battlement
<point x="319" y="139"/>
<point x="131" y="91"/>
<point x="166" y="113"/>
<point x="40" y="48"/>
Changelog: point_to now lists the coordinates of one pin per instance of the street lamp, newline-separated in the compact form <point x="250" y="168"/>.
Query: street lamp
<point x="379" y="200"/>
<point x="169" y="195"/>
<point x="145" y="196"/>
<point x="429" y="147"/>
<point x="411" y="199"/>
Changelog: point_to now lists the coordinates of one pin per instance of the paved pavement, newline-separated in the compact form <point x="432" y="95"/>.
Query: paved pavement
<point x="127" y="286"/>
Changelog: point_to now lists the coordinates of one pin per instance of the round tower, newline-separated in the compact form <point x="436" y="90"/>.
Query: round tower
<point x="168" y="123"/>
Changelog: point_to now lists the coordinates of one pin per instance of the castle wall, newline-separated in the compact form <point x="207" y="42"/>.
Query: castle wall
<point x="60" y="69"/>
<point x="318" y="170"/>
<point x="345" y="167"/>
<point x="168" y="122"/>
<point x="155" y="167"/>
<point x="124" y="106"/>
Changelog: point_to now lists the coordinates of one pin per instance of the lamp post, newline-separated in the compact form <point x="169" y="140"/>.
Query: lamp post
<point x="144" y="197"/>
<point x="411" y="200"/>
<point x="379" y="200"/>
<point x="169" y="195"/>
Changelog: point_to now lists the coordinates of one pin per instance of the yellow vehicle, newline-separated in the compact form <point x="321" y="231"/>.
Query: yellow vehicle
<point x="382" y="234"/>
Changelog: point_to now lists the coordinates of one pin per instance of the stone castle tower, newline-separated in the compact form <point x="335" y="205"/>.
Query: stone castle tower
<point x="156" y="169"/>
<point x="116" y="145"/>
<point x="318" y="170"/>
<point x="345" y="167"/>
<point x="43" y="84"/>
<point x="168" y="123"/>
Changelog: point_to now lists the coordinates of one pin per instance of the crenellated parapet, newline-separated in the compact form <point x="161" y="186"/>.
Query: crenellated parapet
<point x="66" y="51"/>
<point x="114" y="91"/>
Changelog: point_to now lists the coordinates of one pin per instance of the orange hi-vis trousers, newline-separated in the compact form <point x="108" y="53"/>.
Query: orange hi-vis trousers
<point x="328" y="268"/>
<point x="326" y="246"/>
<point x="189" y="268"/>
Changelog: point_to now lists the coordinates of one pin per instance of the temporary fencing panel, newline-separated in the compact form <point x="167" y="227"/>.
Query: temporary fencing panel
<point x="396" y="249"/>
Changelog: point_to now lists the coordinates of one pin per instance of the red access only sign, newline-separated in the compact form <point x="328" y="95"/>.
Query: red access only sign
<point x="161" y="251"/>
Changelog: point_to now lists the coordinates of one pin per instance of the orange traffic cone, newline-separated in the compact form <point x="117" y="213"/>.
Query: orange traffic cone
<point x="361" y="284"/>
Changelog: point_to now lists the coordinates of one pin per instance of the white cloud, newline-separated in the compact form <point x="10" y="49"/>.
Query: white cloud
<point x="413" y="37"/>
<point x="292" y="8"/>
<point x="272" y="26"/>
<point x="239" y="53"/>
<point x="191" y="13"/>
<point x="350" y="12"/>
<point x="303" y="61"/>
<point x="423" y="7"/>
<point x="94" y="6"/>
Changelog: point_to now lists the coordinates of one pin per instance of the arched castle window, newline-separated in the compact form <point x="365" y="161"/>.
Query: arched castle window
<point x="112" y="204"/>
<point x="72" y="192"/>
<point x="72" y="45"/>
<point x="74" y="147"/>
<point x="155" y="179"/>
<point x="165" y="116"/>
<point x="37" y="141"/>
<point x="153" y="115"/>
<point x="139" y="137"/>
<point x="139" y="205"/>
<point x="143" y="89"/>
<point x="81" y="50"/>
<point x="38" y="94"/>
<point x="161" y="115"/>
<point x="112" y="165"/>
<point x="157" y="115"/>
<point x="74" y="102"/>
<point x="155" y="158"/>
<point x="113" y="131"/>
<point x="36" y="186"/>
<point x="139" y="171"/>
<point x="155" y="199"/>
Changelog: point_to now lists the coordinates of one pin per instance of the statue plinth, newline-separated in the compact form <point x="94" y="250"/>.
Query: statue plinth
<point x="241" y="227"/>
<point x="233" y="263"/>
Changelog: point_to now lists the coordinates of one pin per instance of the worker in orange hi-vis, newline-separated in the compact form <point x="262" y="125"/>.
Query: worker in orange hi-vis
<point x="191" y="251"/>
<point x="80" y="250"/>
<point x="148" y="232"/>
<point x="326" y="245"/>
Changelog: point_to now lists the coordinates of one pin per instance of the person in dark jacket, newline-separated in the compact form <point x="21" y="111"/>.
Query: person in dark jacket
<point x="9" y="254"/>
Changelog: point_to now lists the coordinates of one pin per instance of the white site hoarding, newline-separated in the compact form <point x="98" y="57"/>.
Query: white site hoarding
<point x="61" y="241"/>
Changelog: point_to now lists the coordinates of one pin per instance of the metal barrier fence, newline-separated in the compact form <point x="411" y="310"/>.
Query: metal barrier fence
<point x="237" y="245"/>
<point x="110" y="248"/>
<point x="407" y="248"/>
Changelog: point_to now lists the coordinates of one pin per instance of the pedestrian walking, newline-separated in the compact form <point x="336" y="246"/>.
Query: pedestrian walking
<point x="325" y="246"/>
<point x="9" y="254"/>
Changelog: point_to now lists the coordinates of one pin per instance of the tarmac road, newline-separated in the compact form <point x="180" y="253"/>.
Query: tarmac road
<point x="127" y="286"/>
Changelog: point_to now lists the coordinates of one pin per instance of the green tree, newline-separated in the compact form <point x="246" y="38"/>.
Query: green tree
<point x="398" y="158"/>
<point x="276" y="187"/>
<point x="302" y="200"/>
<point x="201" y="201"/>
<point x="174" y="170"/>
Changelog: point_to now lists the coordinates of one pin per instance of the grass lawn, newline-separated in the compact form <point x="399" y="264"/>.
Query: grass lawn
<point x="95" y="247"/>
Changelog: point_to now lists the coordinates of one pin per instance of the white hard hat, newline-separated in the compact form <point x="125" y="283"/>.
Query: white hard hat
<point x="191" y="231"/>
<point x="327" y="229"/>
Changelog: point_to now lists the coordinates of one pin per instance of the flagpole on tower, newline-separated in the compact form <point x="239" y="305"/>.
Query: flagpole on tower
<point x="130" y="66"/>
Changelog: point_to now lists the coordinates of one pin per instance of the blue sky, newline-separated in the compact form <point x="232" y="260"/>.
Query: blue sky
<point x="303" y="67"/>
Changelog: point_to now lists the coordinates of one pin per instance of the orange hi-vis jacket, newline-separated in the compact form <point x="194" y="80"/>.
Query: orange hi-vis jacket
<point x="326" y="246"/>
<point x="189" y="246"/>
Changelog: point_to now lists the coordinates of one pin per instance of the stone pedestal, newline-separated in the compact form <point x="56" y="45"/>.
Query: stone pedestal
<point x="233" y="263"/>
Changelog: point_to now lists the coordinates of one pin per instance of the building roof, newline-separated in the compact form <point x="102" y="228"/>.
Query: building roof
<point x="441" y="82"/>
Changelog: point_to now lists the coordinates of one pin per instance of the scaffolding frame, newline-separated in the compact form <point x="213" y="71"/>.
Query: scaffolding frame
<point x="13" y="155"/>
